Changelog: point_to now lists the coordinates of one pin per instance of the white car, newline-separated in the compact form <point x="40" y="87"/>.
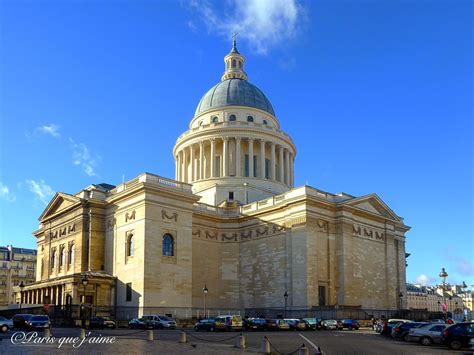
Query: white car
<point x="160" y="322"/>
<point x="5" y="324"/>
<point x="427" y="334"/>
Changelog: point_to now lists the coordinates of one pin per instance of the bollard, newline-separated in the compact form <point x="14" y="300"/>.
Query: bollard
<point x="150" y="335"/>
<point x="265" y="346"/>
<point x="182" y="338"/>
<point x="47" y="333"/>
<point x="82" y="333"/>
<point x="320" y="352"/>
<point x="303" y="350"/>
<point x="241" y="341"/>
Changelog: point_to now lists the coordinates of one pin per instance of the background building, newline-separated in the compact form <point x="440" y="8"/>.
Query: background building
<point x="16" y="265"/>
<point x="232" y="222"/>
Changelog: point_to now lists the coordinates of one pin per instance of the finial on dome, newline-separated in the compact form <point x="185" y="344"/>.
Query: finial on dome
<point x="234" y="63"/>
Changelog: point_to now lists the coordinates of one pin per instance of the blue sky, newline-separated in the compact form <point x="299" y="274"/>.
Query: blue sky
<point x="377" y="96"/>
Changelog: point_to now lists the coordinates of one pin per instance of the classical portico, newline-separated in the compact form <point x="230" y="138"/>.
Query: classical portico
<point x="234" y="143"/>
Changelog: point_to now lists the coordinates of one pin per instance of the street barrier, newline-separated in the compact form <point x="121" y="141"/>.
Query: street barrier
<point x="183" y="338"/>
<point x="150" y="335"/>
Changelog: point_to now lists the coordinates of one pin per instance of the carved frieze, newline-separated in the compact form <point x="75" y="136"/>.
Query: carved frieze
<point x="366" y="232"/>
<point x="173" y="216"/>
<point x="226" y="238"/>
<point x="130" y="216"/>
<point x="323" y="225"/>
<point x="62" y="231"/>
<point x="111" y="223"/>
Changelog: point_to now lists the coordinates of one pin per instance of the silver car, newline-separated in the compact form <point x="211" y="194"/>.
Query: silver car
<point x="427" y="334"/>
<point x="5" y="324"/>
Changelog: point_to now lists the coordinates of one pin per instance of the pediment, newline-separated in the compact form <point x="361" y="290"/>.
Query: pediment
<point x="373" y="204"/>
<point x="58" y="203"/>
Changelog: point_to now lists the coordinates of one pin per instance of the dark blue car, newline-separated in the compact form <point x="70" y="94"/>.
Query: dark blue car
<point x="350" y="324"/>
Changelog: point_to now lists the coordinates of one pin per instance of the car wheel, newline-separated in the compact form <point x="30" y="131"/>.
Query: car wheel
<point x="425" y="341"/>
<point x="4" y="328"/>
<point x="211" y="329"/>
<point x="455" y="344"/>
<point x="161" y="326"/>
<point x="406" y="337"/>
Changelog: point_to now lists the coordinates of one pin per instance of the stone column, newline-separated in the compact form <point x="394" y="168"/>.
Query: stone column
<point x="225" y="153"/>
<point x="281" y="165"/>
<point x="262" y="159"/>
<point x="287" y="168"/>
<point x="191" y="163"/>
<point x="213" y="157"/>
<point x="292" y="169"/>
<point x="272" y="162"/>
<point x="251" y="157"/>
<point x="201" y="160"/>
<point x="183" y="165"/>
<point x="238" y="163"/>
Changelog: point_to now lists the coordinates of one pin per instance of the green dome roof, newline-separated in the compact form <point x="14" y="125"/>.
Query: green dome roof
<point x="234" y="92"/>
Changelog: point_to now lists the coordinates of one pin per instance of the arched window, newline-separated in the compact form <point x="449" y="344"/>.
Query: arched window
<point x="53" y="259"/>
<point x="240" y="64"/>
<point x="249" y="118"/>
<point x="233" y="63"/>
<point x="201" y="122"/>
<point x="265" y="122"/>
<point x="71" y="255"/>
<point x="62" y="259"/>
<point x="214" y="119"/>
<point x="232" y="118"/>
<point x="130" y="245"/>
<point x="168" y="245"/>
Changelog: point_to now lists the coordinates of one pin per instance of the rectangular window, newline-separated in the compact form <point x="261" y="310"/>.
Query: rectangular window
<point x="231" y="195"/>
<point x="322" y="295"/>
<point x="254" y="166"/>
<point x="217" y="167"/>
<point x="247" y="165"/>
<point x="267" y="168"/>
<point x="129" y="292"/>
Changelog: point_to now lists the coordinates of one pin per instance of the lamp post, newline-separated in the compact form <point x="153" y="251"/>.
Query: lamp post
<point x="464" y="298"/>
<point x="84" y="281"/>
<point x="22" y="285"/>
<point x="286" y="300"/>
<point x="205" y="291"/>
<point x="443" y="275"/>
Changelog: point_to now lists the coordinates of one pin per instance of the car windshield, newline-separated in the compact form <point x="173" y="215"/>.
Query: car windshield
<point x="104" y="318"/>
<point x="39" y="318"/>
<point x="165" y="318"/>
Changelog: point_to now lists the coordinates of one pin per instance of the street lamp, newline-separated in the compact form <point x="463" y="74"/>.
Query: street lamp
<point x="84" y="281"/>
<point x="22" y="285"/>
<point x="464" y="298"/>
<point x="443" y="275"/>
<point x="205" y="291"/>
<point x="286" y="300"/>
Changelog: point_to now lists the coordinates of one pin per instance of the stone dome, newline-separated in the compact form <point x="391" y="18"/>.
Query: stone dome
<point x="234" y="92"/>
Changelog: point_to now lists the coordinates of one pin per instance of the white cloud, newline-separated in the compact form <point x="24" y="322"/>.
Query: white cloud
<point x="42" y="191"/>
<point x="52" y="130"/>
<point x="424" y="280"/>
<point x="263" y="23"/>
<point x="6" y="194"/>
<point x="81" y="156"/>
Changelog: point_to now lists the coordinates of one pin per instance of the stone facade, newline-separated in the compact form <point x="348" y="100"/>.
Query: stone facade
<point x="231" y="221"/>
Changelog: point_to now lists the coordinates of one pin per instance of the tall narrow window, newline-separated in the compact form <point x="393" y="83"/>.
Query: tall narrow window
<point x="231" y="195"/>
<point x="168" y="245"/>
<point x="130" y="244"/>
<point x="247" y="165"/>
<point x="233" y="63"/>
<point x="62" y="258"/>
<point x="267" y="168"/>
<point x="217" y="167"/>
<point x="71" y="255"/>
<point x="254" y="166"/>
<point x="322" y="295"/>
<point x="129" y="292"/>
<point x="53" y="259"/>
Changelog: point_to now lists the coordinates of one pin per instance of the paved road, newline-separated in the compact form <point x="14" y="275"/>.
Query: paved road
<point x="166" y="342"/>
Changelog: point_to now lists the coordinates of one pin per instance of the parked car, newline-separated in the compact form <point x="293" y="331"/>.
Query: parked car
<point x="19" y="320"/>
<point x="388" y="325"/>
<point x="38" y="323"/>
<point x="102" y="322"/>
<point x="5" y="324"/>
<point x="350" y="324"/>
<point x="401" y="330"/>
<point x="277" y="324"/>
<point x="458" y="336"/>
<point x="229" y="323"/>
<point x="138" y="323"/>
<point x="295" y="324"/>
<point x="427" y="334"/>
<point x="331" y="324"/>
<point x="255" y="324"/>
<point x="313" y="323"/>
<point x="159" y="322"/>
<point x="208" y="324"/>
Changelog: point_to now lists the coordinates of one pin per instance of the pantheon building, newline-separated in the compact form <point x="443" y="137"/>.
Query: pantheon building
<point x="231" y="222"/>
